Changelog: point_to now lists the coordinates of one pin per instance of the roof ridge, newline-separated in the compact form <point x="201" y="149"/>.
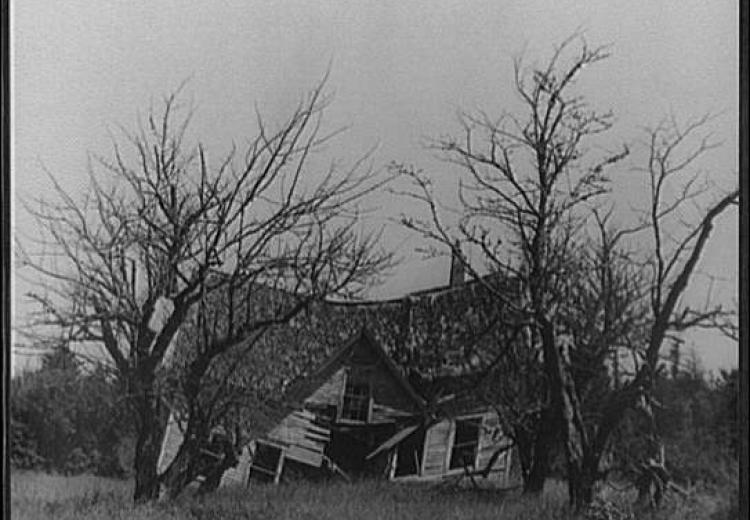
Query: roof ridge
<point x="432" y="291"/>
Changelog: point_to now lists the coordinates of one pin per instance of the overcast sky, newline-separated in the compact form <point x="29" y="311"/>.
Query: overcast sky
<point x="400" y="69"/>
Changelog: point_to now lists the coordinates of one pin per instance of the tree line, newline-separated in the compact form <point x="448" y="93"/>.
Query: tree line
<point x="69" y="420"/>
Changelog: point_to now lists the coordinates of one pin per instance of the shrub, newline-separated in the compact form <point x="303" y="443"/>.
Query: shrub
<point x="67" y="421"/>
<point x="24" y="452"/>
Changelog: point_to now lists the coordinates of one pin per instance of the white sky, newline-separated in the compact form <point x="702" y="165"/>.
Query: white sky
<point x="400" y="71"/>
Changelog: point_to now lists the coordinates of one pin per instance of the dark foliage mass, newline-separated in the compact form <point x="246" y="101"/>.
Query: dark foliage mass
<point x="68" y="420"/>
<point x="696" y="419"/>
<point x="700" y="424"/>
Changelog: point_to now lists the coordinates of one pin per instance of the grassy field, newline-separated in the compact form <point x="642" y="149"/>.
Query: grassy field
<point x="39" y="496"/>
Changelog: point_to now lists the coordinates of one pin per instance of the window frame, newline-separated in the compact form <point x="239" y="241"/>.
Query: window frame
<point x="478" y="419"/>
<point x="365" y="399"/>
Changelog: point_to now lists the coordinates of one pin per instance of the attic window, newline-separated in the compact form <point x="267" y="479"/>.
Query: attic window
<point x="356" y="402"/>
<point x="465" y="442"/>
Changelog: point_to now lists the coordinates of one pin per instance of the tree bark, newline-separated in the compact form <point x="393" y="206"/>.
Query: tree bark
<point x="583" y="474"/>
<point x="537" y="454"/>
<point x="534" y="481"/>
<point x="151" y="429"/>
<point x="181" y="471"/>
<point x="147" y="452"/>
<point x="581" y="482"/>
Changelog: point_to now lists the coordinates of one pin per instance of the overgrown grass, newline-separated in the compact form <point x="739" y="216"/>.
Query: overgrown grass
<point x="40" y="496"/>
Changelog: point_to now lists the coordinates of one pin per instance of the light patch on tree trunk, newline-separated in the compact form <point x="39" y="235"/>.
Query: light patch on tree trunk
<point x="162" y="310"/>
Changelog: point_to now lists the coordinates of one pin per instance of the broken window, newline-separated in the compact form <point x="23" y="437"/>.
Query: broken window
<point x="465" y="442"/>
<point x="356" y="402"/>
<point x="267" y="462"/>
<point x="409" y="454"/>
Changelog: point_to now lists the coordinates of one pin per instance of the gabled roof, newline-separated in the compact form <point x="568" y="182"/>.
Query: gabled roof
<point x="392" y="368"/>
<point x="301" y="389"/>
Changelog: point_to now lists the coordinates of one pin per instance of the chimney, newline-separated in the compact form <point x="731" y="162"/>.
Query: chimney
<point x="458" y="270"/>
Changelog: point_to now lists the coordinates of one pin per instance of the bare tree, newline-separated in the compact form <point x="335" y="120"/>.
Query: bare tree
<point x="161" y="229"/>
<point x="521" y="207"/>
<point x="527" y="206"/>
<point x="634" y="293"/>
<point x="230" y="364"/>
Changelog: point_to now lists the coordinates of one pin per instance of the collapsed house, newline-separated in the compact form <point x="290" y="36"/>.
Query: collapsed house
<point x="359" y="415"/>
<point x="396" y="399"/>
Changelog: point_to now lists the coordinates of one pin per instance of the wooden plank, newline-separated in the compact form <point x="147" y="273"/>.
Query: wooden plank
<point x="490" y="439"/>
<point x="393" y="440"/>
<point x="289" y="440"/>
<point x="436" y="446"/>
<point x="313" y="446"/>
<point x="298" y="435"/>
<point x="263" y="470"/>
<point x="288" y="435"/>
<point x="306" y="426"/>
<point x="451" y="438"/>
<point x="300" y="454"/>
<point x="316" y="437"/>
<point x="303" y="414"/>
<point x="292" y="427"/>
<point x="279" y="469"/>
<point x="304" y="441"/>
<point x="312" y="429"/>
<point x="294" y="418"/>
<point x="383" y="413"/>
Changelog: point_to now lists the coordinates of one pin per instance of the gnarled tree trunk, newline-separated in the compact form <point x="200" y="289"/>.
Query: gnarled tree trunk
<point x="583" y="474"/>
<point x="535" y="454"/>
<point x="181" y="470"/>
<point x="151" y="430"/>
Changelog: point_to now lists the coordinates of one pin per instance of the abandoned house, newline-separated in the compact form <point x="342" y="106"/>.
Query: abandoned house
<point x="395" y="395"/>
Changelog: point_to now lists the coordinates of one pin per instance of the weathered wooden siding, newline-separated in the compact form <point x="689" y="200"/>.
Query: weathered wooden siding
<point x="329" y="393"/>
<point x="491" y="438"/>
<point x="438" y="446"/>
<point x="304" y="441"/>
<point x="436" y="450"/>
<point x="386" y="390"/>
<point x="388" y="398"/>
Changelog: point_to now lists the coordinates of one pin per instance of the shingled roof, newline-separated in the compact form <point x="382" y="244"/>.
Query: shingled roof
<point x="435" y="339"/>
